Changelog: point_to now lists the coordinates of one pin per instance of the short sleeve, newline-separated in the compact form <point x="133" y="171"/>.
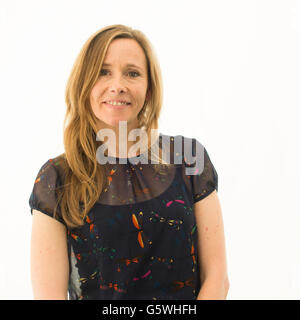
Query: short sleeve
<point x="203" y="175"/>
<point x="44" y="195"/>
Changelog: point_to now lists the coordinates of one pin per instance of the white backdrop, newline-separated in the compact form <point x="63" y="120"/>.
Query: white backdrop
<point x="231" y="79"/>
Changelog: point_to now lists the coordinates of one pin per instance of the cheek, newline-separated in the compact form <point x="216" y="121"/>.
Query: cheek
<point x="94" y="98"/>
<point x="96" y="91"/>
<point x="140" y="94"/>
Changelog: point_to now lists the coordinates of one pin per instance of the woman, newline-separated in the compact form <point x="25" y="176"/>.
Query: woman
<point x="124" y="229"/>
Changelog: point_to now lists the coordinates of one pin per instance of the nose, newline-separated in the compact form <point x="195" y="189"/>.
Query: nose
<point x="117" y="85"/>
<point x="117" y="89"/>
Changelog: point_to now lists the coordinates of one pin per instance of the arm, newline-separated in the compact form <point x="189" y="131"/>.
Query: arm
<point x="211" y="249"/>
<point x="49" y="258"/>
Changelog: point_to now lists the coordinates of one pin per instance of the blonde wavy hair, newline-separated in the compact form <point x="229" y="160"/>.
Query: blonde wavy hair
<point x="84" y="178"/>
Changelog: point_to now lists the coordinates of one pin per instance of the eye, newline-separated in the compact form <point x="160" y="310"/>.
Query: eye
<point x="102" y="71"/>
<point x="130" y="72"/>
<point x="135" y="73"/>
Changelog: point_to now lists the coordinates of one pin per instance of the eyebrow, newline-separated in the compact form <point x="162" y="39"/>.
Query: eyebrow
<point x="127" y="65"/>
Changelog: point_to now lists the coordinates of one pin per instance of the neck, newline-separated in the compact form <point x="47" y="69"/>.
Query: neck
<point x="119" y="135"/>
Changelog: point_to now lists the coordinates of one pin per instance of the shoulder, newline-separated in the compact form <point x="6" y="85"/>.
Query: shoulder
<point x="181" y="141"/>
<point x="52" y="171"/>
<point x="183" y="149"/>
<point x="47" y="188"/>
<point x="59" y="161"/>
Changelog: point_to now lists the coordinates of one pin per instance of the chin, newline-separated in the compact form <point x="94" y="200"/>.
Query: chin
<point x="115" y="123"/>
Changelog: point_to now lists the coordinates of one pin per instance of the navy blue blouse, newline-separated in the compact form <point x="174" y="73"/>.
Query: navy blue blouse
<point x="140" y="239"/>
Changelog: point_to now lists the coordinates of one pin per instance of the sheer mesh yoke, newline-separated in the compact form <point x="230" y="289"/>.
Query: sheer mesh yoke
<point x="139" y="241"/>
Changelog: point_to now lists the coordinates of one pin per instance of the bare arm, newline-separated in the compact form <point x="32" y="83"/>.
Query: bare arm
<point x="211" y="249"/>
<point x="49" y="258"/>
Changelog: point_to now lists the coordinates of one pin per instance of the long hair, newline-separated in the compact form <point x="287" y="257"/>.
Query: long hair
<point x="84" y="177"/>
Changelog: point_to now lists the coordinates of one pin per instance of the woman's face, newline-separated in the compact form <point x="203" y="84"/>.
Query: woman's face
<point x="123" y="77"/>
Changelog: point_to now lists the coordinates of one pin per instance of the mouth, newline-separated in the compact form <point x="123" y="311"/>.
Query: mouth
<point x="117" y="106"/>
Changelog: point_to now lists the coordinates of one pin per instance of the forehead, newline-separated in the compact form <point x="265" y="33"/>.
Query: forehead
<point x="126" y="51"/>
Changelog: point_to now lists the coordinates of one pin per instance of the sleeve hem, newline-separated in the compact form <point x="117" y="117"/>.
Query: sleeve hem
<point x="48" y="214"/>
<point x="204" y="196"/>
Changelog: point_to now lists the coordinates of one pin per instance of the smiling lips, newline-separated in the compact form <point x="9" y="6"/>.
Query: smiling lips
<point x="117" y="102"/>
<point x="116" y="105"/>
